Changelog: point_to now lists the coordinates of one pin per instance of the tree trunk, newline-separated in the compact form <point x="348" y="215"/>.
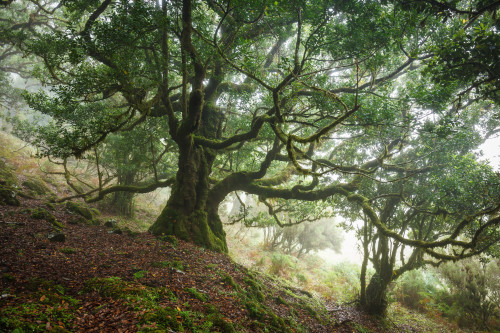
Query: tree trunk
<point x="188" y="214"/>
<point x="376" y="302"/>
<point x="123" y="203"/>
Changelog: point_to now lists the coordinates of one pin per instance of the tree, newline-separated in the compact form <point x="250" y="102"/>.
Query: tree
<point x="296" y="100"/>
<point x="294" y="228"/>
<point x="434" y="191"/>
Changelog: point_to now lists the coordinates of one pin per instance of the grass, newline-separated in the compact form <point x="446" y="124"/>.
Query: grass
<point x="404" y="318"/>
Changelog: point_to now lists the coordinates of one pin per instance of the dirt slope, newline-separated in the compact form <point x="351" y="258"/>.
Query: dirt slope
<point x="98" y="280"/>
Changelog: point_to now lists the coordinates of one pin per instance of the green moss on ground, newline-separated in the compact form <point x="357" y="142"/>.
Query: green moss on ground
<point x="36" y="186"/>
<point x="7" y="174"/>
<point x="197" y="294"/>
<point x="89" y="213"/>
<point x="46" y="303"/>
<point x="43" y="214"/>
<point x="8" y="195"/>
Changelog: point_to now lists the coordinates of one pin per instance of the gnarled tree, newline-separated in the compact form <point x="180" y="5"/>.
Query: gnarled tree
<point x="295" y="100"/>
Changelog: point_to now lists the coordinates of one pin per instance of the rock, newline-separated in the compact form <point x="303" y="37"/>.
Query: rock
<point x="111" y="224"/>
<point x="81" y="210"/>
<point x="8" y="196"/>
<point x="36" y="186"/>
<point x="43" y="214"/>
<point x="57" y="237"/>
<point x="7" y="174"/>
<point x="116" y="231"/>
<point x="78" y="220"/>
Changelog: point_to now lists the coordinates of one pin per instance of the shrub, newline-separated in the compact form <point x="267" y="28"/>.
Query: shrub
<point x="417" y="290"/>
<point x="342" y="282"/>
<point x="280" y="263"/>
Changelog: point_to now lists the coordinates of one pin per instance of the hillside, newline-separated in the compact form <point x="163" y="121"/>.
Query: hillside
<point x="66" y="268"/>
<point x="100" y="279"/>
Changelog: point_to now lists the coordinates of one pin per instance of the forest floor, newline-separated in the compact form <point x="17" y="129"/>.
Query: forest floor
<point x="98" y="280"/>
<point x="63" y="270"/>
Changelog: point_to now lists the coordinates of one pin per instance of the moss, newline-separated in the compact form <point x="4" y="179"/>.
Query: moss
<point x="193" y="228"/>
<point x="224" y="326"/>
<point x="42" y="214"/>
<point x="255" y="310"/>
<point x="255" y="290"/>
<point x="7" y="175"/>
<point x="169" y="239"/>
<point x="197" y="294"/>
<point x="81" y="210"/>
<point x="160" y="264"/>
<point x="67" y="250"/>
<point x="228" y="279"/>
<point x="163" y="317"/>
<point x="50" y="206"/>
<point x="280" y="300"/>
<point x="40" y="306"/>
<point x="8" y="195"/>
<point x="36" y="186"/>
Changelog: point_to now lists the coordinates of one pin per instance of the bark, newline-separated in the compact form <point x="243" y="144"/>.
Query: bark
<point x="364" y="265"/>
<point x="376" y="302"/>
<point x="123" y="203"/>
<point x="188" y="214"/>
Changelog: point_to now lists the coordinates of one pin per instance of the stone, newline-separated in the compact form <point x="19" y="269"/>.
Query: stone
<point x="8" y="196"/>
<point x="81" y="210"/>
<point x="42" y="214"/>
<point x="116" y="231"/>
<point x="111" y="223"/>
<point x="57" y="237"/>
<point x="36" y="186"/>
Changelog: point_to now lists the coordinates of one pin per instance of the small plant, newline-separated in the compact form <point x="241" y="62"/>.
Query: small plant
<point x="140" y="274"/>
<point x="197" y="294"/>
<point x="169" y="239"/>
<point x="67" y="250"/>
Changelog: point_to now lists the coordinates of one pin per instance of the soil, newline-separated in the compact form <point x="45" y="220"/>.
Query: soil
<point x="93" y="251"/>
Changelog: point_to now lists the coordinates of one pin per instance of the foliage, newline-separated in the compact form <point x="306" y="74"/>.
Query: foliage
<point x="341" y="282"/>
<point x="318" y="115"/>
<point x="474" y="296"/>
<point x="419" y="290"/>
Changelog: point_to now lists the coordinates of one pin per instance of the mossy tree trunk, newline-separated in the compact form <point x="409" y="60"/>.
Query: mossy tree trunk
<point x="375" y="295"/>
<point x="376" y="292"/>
<point x="188" y="214"/>
<point x="123" y="202"/>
